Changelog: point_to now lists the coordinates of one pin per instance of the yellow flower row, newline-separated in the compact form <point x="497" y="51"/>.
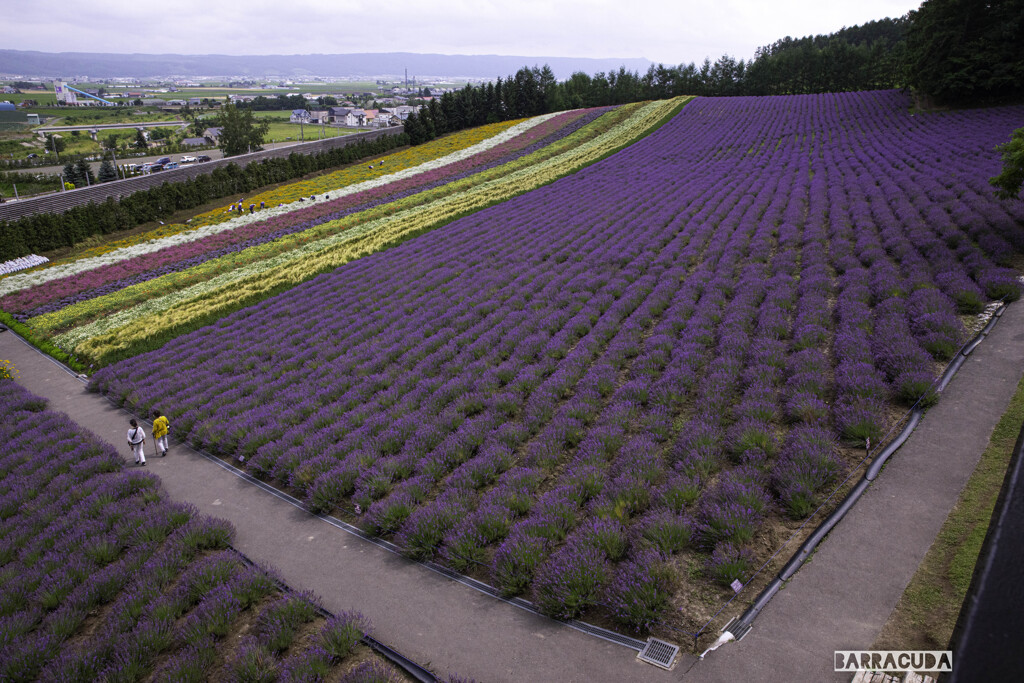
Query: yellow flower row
<point x="396" y="161"/>
<point x="356" y="173"/>
<point x="7" y="370"/>
<point x="297" y="265"/>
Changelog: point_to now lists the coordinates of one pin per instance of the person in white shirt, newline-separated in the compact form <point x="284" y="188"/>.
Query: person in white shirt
<point x="136" y="441"/>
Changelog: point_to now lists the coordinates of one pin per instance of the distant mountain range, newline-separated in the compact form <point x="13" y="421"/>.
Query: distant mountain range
<point x="32" y="64"/>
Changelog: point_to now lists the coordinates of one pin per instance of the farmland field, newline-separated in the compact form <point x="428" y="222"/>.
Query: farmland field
<point x="612" y="394"/>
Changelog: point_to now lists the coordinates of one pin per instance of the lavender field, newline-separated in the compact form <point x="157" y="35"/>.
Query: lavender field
<point x="103" y="579"/>
<point x="608" y="395"/>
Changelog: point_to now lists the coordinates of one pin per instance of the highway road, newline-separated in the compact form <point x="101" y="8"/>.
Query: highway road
<point x="212" y="153"/>
<point x="108" y="126"/>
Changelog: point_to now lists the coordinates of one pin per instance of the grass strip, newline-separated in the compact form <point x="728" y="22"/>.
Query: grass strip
<point x="42" y="344"/>
<point x="926" y="614"/>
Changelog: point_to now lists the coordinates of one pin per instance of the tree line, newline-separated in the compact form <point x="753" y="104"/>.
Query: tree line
<point x="40" y="233"/>
<point x="867" y="57"/>
<point x="951" y="52"/>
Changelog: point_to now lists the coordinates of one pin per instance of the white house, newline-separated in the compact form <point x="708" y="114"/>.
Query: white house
<point x="299" y="116"/>
<point x="355" y="117"/>
<point x="402" y="112"/>
<point x="337" y="114"/>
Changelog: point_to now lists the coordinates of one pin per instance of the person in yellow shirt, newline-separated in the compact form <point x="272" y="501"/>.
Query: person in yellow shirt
<point x="160" y="429"/>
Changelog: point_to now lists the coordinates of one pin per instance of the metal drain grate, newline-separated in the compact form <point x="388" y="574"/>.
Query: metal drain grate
<point x="659" y="653"/>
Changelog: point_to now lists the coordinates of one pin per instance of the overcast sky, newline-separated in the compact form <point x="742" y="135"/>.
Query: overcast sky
<point x="667" y="31"/>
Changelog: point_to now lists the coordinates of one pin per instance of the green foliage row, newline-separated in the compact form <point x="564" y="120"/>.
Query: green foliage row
<point x="285" y="103"/>
<point x="43" y="345"/>
<point x="27" y="183"/>
<point x="41" y="233"/>
<point x="1008" y="183"/>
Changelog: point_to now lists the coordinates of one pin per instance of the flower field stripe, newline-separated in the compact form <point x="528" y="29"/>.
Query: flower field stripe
<point x="58" y="294"/>
<point x="291" y="192"/>
<point x="118" y="332"/>
<point x="80" y="313"/>
<point x="433" y="154"/>
<point x="15" y="283"/>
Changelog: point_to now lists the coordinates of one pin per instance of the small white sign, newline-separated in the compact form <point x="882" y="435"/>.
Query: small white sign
<point x="736" y="586"/>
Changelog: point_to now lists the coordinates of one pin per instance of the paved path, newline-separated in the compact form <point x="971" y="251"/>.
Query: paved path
<point x="433" y="620"/>
<point x="109" y="126"/>
<point x="839" y="600"/>
<point x="842" y="597"/>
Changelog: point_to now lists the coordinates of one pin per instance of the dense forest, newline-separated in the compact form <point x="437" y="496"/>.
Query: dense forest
<point x="950" y="52"/>
<point x="967" y="52"/>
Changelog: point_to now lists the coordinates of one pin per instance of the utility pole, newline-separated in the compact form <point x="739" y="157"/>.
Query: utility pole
<point x="123" y="176"/>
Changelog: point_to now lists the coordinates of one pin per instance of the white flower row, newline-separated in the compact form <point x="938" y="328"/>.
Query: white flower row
<point x="21" y="263"/>
<point x="20" y="282"/>
<point x="157" y="305"/>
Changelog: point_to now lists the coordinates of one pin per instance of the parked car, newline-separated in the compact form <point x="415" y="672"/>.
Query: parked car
<point x="146" y="167"/>
<point x="188" y="160"/>
<point x="163" y="160"/>
<point x="156" y="167"/>
<point x="171" y="166"/>
<point x="203" y="157"/>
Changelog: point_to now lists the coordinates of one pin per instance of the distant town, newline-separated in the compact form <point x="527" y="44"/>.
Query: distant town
<point x="46" y="123"/>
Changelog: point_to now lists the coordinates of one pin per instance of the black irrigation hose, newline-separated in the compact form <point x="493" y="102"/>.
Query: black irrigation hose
<point x="744" y="623"/>
<point x="968" y="348"/>
<point x="408" y="666"/>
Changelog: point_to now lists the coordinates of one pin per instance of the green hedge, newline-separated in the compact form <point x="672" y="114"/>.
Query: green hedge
<point x="41" y="233"/>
